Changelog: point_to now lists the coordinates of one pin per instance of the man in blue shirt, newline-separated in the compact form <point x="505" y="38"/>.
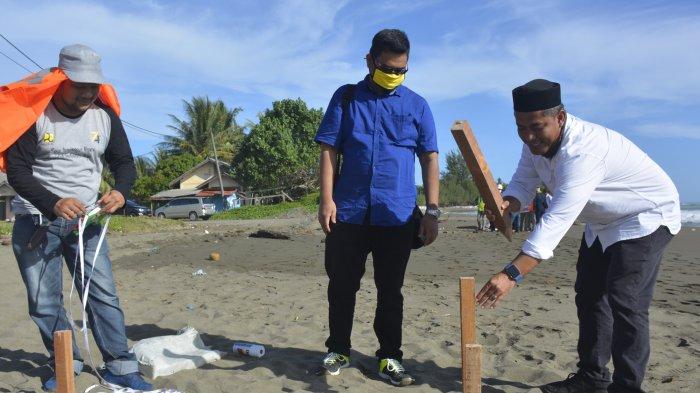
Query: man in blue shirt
<point x="378" y="126"/>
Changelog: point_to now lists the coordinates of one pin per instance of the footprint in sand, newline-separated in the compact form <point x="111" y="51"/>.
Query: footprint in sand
<point x="490" y="339"/>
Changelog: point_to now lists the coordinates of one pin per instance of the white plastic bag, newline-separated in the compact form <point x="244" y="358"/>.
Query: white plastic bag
<point x="166" y="355"/>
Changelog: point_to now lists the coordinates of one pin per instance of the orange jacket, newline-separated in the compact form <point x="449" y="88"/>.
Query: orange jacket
<point x="22" y="102"/>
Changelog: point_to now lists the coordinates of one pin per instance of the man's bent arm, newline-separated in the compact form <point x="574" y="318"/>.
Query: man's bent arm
<point x="431" y="178"/>
<point x="119" y="157"/>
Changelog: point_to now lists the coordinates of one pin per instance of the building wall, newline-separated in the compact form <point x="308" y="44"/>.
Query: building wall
<point x="198" y="177"/>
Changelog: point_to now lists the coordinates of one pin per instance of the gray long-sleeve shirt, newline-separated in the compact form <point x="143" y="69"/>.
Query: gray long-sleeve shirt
<point x="61" y="157"/>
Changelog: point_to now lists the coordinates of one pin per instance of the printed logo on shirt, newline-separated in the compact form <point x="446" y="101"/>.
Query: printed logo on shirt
<point x="95" y="136"/>
<point x="48" y="137"/>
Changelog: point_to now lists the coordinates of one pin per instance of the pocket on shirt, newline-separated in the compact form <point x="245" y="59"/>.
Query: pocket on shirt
<point x="400" y="130"/>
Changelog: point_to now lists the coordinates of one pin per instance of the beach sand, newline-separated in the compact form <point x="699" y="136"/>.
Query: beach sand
<point x="273" y="292"/>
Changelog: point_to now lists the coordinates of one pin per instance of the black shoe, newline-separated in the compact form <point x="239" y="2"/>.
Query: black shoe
<point x="333" y="363"/>
<point x="392" y="370"/>
<point x="576" y="383"/>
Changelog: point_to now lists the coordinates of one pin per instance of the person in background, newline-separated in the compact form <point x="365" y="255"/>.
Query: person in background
<point x="540" y="204"/>
<point x="480" y="213"/>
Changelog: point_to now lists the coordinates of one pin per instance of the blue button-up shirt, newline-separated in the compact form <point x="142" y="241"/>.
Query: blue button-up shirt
<point x="378" y="137"/>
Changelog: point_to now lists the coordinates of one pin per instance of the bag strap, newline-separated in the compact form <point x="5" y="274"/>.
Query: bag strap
<point x="348" y="96"/>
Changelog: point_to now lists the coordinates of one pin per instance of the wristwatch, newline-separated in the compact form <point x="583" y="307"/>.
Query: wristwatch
<point x="433" y="212"/>
<point x="513" y="273"/>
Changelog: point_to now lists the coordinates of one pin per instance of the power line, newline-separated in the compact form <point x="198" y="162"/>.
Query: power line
<point x="132" y="125"/>
<point x="145" y="130"/>
<point x="20" y="51"/>
<point x="13" y="60"/>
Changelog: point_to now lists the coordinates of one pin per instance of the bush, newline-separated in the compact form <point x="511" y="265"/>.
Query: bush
<point x="309" y="203"/>
<point x="5" y="228"/>
<point x="142" y="224"/>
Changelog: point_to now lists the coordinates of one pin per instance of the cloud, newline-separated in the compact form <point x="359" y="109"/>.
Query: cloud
<point x="285" y="50"/>
<point x="669" y="130"/>
<point x="605" y="62"/>
<point x="631" y="61"/>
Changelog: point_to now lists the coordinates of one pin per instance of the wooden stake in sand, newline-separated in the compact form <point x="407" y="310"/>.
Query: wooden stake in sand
<point x="63" y="352"/>
<point x="471" y="351"/>
<point x="483" y="178"/>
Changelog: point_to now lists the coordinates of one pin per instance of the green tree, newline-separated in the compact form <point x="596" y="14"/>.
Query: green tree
<point x="205" y="118"/>
<point x="456" y="183"/>
<point x="455" y="167"/>
<point x="167" y="170"/>
<point x="144" y="166"/>
<point x="280" y="151"/>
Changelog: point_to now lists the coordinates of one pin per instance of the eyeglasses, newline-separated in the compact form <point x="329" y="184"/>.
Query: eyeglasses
<point x="391" y="70"/>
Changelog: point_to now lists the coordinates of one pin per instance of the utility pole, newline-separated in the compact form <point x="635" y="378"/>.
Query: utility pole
<point x="218" y="170"/>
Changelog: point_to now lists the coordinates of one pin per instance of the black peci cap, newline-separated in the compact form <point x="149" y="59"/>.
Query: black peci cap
<point x="536" y="95"/>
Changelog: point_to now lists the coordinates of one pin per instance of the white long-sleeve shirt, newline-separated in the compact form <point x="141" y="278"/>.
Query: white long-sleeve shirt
<point x="602" y="178"/>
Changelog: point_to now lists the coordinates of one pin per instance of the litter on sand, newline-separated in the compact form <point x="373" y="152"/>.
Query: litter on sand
<point x="166" y="355"/>
<point x="199" y="272"/>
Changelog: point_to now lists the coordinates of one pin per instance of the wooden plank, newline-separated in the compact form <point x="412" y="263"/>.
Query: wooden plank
<point x="467" y="307"/>
<point x="481" y="174"/>
<point x="63" y="352"/>
<point x="471" y="368"/>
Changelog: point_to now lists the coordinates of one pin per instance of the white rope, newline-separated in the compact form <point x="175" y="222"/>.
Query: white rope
<point x="80" y="258"/>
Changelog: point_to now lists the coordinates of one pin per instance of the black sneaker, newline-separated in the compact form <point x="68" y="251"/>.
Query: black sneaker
<point x="392" y="370"/>
<point x="334" y="362"/>
<point x="576" y="383"/>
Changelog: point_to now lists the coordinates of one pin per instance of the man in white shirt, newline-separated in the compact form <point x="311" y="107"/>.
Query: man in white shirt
<point x="631" y="210"/>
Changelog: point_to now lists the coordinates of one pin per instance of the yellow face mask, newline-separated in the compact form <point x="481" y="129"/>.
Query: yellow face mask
<point x="387" y="81"/>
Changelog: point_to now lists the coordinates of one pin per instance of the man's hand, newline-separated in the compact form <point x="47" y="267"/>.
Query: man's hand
<point x="69" y="208"/>
<point x="326" y="214"/>
<point x="428" y="230"/>
<point x="111" y="201"/>
<point x="510" y="204"/>
<point x="493" y="291"/>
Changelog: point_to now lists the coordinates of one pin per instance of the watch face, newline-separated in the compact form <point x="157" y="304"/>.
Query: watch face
<point x="512" y="271"/>
<point x="433" y="212"/>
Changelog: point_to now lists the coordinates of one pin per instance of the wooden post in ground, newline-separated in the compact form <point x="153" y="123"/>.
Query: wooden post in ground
<point x="63" y="352"/>
<point x="471" y="368"/>
<point x="471" y="351"/>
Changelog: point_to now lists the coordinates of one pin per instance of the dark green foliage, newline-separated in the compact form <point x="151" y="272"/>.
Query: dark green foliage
<point x="456" y="184"/>
<point x="166" y="170"/>
<point x="204" y="119"/>
<point x="279" y="151"/>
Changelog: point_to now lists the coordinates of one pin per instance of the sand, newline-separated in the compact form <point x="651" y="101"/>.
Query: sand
<point x="274" y="292"/>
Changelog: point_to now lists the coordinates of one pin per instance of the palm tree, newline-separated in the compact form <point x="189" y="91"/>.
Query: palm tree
<point x="204" y="119"/>
<point x="144" y="166"/>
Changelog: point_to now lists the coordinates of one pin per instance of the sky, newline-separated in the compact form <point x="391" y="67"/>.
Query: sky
<point x="632" y="66"/>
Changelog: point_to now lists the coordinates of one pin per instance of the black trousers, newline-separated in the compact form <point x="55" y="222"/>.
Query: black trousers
<point x="613" y="294"/>
<point x="347" y="248"/>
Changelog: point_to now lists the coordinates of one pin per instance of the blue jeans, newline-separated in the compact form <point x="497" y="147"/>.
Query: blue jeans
<point x="41" y="271"/>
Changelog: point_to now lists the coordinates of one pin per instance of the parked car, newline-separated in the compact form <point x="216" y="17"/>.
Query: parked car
<point x="189" y="207"/>
<point x="132" y="208"/>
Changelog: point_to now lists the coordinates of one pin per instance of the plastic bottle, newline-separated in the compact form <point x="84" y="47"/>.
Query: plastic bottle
<point x="248" y="349"/>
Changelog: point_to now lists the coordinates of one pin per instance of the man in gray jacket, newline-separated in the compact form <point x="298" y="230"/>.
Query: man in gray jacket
<point x="56" y="170"/>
